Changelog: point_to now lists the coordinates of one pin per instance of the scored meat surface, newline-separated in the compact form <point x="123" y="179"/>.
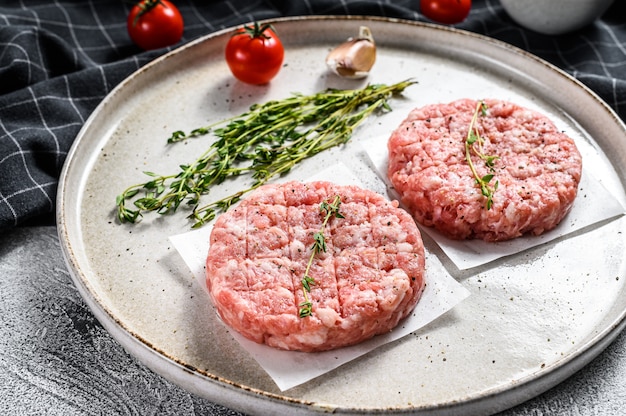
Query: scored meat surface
<point x="538" y="169"/>
<point x="369" y="278"/>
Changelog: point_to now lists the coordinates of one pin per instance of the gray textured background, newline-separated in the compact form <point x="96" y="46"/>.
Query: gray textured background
<point x="56" y="359"/>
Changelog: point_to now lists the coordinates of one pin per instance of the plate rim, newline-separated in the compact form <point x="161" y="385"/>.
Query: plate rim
<point x="156" y="359"/>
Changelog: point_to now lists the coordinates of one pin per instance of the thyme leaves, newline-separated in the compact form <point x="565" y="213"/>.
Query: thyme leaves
<point x="474" y="144"/>
<point x="329" y="210"/>
<point x="263" y="143"/>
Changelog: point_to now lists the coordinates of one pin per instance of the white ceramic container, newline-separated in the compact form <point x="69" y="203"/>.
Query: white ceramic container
<point x="554" y="17"/>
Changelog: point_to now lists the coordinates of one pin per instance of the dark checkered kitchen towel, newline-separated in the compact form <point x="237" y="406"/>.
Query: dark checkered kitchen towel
<point x="59" y="59"/>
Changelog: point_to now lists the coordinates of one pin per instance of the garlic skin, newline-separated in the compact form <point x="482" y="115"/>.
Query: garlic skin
<point x="355" y="57"/>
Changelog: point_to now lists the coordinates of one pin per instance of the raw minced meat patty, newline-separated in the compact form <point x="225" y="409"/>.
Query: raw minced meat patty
<point x="367" y="280"/>
<point x="538" y="170"/>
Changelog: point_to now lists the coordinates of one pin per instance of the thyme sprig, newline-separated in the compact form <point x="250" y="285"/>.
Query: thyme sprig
<point x="319" y="245"/>
<point x="474" y="144"/>
<point x="263" y="143"/>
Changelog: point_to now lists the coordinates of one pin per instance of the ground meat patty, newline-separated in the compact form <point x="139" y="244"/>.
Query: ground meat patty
<point x="538" y="170"/>
<point x="369" y="278"/>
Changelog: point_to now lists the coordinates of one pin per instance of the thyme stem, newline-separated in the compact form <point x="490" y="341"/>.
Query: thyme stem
<point x="474" y="144"/>
<point x="263" y="143"/>
<point x="319" y="246"/>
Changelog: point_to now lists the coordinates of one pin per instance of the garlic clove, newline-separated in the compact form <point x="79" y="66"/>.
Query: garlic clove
<point x="355" y="57"/>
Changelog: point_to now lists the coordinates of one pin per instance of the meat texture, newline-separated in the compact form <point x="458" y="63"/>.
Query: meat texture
<point x="538" y="169"/>
<point x="369" y="278"/>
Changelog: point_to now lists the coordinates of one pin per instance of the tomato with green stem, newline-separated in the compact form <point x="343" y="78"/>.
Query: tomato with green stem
<point x="154" y="24"/>
<point x="446" y="11"/>
<point x="255" y="54"/>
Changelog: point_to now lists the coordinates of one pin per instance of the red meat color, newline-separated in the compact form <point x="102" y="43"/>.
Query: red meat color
<point x="538" y="170"/>
<point x="369" y="278"/>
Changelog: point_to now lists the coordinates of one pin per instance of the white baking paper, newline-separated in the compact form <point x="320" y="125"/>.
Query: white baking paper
<point x="587" y="210"/>
<point x="288" y="368"/>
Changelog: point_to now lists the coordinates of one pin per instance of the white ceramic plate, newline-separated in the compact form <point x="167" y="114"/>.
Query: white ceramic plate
<point x="531" y="321"/>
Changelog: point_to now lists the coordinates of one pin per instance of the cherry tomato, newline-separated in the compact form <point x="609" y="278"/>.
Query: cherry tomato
<point x="446" y="11"/>
<point x="255" y="54"/>
<point x="154" y="24"/>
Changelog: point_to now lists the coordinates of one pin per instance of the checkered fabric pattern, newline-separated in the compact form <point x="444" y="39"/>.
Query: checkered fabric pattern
<point x="60" y="58"/>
